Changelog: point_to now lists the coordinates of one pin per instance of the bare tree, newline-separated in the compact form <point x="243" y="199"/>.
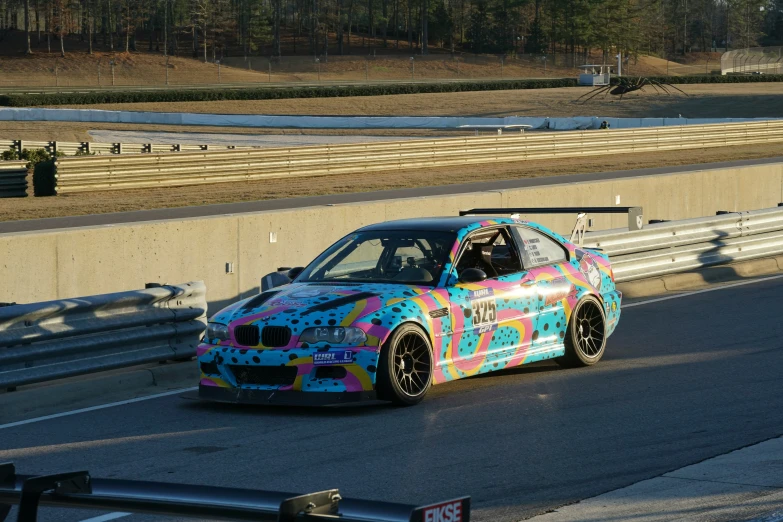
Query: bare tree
<point x="27" y="26"/>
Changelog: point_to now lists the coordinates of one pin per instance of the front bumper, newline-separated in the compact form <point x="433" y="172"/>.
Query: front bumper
<point x="282" y="398"/>
<point x="263" y="376"/>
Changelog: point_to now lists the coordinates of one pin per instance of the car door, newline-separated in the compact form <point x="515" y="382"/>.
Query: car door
<point x="543" y="258"/>
<point x="491" y="320"/>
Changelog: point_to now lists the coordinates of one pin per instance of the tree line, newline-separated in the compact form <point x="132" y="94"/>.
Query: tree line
<point x="210" y="29"/>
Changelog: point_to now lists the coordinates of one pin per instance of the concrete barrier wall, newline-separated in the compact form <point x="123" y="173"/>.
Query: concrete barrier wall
<point x="65" y="263"/>
<point x="344" y="122"/>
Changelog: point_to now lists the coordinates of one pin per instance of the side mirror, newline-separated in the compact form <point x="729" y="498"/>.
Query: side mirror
<point x="294" y="272"/>
<point x="472" y="275"/>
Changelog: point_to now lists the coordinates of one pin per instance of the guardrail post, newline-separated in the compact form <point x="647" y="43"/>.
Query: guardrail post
<point x="85" y="146"/>
<point x="116" y="148"/>
<point x="204" y="147"/>
<point x="52" y="148"/>
<point x="18" y="146"/>
<point x="146" y="148"/>
<point x="635" y="218"/>
<point x="177" y="147"/>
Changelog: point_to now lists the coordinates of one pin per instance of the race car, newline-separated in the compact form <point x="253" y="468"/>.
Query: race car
<point x="393" y="308"/>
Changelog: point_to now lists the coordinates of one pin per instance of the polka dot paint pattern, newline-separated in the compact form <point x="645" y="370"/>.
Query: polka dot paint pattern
<point x="473" y="328"/>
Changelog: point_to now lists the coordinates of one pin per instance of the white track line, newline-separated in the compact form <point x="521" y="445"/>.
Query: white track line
<point x="94" y="408"/>
<point x="714" y="289"/>
<point x="175" y="392"/>
<point x="107" y="517"/>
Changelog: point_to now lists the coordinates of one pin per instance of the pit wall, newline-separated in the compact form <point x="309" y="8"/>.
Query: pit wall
<point x="65" y="263"/>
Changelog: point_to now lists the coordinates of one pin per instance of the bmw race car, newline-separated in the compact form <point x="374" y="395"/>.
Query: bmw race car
<point x="395" y="307"/>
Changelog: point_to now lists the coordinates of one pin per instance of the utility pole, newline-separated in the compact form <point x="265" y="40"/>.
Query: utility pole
<point x="166" y="34"/>
<point x="685" y="29"/>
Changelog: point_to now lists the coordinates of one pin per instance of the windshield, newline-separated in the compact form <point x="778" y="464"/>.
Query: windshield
<point x="383" y="256"/>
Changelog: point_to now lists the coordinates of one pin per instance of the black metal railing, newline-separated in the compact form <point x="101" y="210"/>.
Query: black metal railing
<point x="80" y="490"/>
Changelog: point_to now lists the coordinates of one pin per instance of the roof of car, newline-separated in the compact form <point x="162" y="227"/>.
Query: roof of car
<point x="435" y="224"/>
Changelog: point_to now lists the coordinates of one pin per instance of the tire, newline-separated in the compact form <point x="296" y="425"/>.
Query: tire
<point x="405" y="367"/>
<point x="585" y="349"/>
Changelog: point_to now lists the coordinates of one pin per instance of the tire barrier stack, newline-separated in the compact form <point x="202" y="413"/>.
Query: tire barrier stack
<point x="678" y="246"/>
<point x="86" y="174"/>
<point x="13" y="179"/>
<point x="68" y="337"/>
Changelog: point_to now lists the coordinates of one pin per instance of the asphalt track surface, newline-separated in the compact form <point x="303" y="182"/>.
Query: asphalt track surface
<point x="683" y="380"/>
<point x="355" y="197"/>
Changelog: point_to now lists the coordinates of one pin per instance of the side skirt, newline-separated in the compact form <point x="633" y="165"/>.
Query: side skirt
<point x="536" y="354"/>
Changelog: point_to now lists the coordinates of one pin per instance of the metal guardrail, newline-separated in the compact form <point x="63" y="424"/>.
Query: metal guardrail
<point x="71" y="148"/>
<point x="13" y="179"/>
<point x="80" y="490"/>
<point x="84" y="174"/>
<point x="69" y="337"/>
<point x="677" y="246"/>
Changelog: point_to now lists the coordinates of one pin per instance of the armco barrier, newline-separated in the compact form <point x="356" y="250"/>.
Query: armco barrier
<point x="13" y="179"/>
<point x="85" y="174"/>
<point x="677" y="246"/>
<point x="72" y="148"/>
<point x="56" y="339"/>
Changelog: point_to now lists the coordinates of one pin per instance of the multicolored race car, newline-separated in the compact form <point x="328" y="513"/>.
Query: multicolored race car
<point x="395" y="307"/>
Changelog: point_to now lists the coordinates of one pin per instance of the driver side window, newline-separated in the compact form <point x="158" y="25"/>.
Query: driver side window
<point x="491" y="251"/>
<point x="363" y="257"/>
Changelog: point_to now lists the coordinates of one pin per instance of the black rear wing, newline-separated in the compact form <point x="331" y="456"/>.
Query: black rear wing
<point x="635" y="216"/>
<point x="79" y="490"/>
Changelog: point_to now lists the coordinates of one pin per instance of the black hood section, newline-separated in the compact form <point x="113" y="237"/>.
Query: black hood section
<point x="258" y="300"/>
<point x="340" y="301"/>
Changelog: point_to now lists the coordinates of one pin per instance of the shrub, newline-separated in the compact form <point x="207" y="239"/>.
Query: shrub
<point x="270" y="93"/>
<point x="35" y="156"/>
<point x="10" y="155"/>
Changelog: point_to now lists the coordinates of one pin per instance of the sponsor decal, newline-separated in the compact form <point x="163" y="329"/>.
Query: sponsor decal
<point x="287" y="302"/>
<point x="486" y="328"/>
<point x="589" y="268"/>
<point x="446" y="512"/>
<point x="559" y="289"/>
<point x="304" y="293"/>
<point x="478" y="294"/>
<point x="332" y="357"/>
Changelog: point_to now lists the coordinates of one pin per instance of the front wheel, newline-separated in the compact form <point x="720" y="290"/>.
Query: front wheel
<point x="585" y="339"/>
<point x="405" y="367"/>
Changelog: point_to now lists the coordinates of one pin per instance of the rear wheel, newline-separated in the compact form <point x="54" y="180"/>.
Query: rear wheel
<point x="405" y="367"/>
<point x="585" y="339"/>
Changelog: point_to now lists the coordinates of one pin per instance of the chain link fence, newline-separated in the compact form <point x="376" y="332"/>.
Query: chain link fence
<point x="160" y="71"/>
<point x="151" y="70"/>
<point x="755" y="60"/>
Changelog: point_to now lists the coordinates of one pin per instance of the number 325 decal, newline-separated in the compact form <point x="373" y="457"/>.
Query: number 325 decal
<point x="484" y="310"/>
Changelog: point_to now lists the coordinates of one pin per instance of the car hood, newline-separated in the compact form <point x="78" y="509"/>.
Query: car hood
<point x="304" y="305"/>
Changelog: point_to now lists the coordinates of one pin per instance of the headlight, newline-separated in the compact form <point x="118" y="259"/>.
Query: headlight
<point x="333" y="334"/>
<point x="216" y="332"/>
